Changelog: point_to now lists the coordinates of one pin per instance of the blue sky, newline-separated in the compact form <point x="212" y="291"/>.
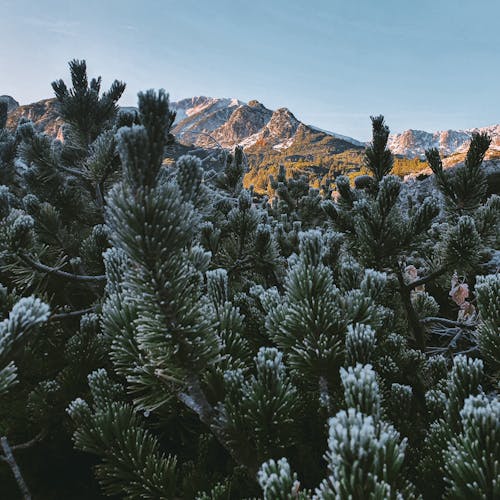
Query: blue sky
<point x="424" y="64"/>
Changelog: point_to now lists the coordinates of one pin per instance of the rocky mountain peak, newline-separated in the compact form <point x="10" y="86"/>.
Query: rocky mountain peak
<point x="413" y="143"/>
<point x="256" y="104"/>
<point x="12" y="104"/>
<point x="43" y="114"/>
<point x="245" y="121"/>
<point x="198" y="116"/>
<point x="283" y="123"/>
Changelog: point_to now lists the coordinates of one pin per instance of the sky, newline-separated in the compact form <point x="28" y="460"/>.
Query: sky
<point x="424" y="64"/>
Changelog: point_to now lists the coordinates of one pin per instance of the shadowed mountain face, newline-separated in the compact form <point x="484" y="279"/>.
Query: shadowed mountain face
<point x="12" y="104"/>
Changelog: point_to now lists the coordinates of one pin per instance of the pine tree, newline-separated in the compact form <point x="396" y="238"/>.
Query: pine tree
<point x="379" y="159"/>
<point x="201" y="341"/>
<point x="52" y="239"/>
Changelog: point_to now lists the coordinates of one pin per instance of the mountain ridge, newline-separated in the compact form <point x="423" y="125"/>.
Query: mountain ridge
<point x="199" y="117"/>
<point x="208" y="115"/>
<point x="274" y="137"/>
<point x="412" y="143"/>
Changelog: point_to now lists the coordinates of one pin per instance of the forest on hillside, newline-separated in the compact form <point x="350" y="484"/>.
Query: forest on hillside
<point x="167" y="333"/>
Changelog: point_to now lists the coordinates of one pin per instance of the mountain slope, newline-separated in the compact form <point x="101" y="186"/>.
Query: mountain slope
<point x="413" y="143"/>
<point x="12" y="104"/>
<point x="198" y="116"/>
<point x="271" y="138"/>
<point x="42" y="113"/>
<point x="232" y="122"/>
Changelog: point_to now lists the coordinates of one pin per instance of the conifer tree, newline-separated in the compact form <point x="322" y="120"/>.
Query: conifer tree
<point x="200" y="341"/>
<point x="379" y="159"/>
<point x="51" y="245"/>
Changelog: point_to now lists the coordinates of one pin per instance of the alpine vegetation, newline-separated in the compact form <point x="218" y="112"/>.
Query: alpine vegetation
<point x="166" y="333"/>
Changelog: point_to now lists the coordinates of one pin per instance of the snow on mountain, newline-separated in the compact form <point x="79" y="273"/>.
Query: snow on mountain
<point x="201" y="115"/>
<point x="244" y="125"/>
<point x="413" y="143"/>
<point x="230" y="122"/>
<point x="209" y="122"/>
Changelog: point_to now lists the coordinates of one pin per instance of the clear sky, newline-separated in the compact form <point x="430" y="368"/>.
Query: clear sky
<point x="424" y="64"/>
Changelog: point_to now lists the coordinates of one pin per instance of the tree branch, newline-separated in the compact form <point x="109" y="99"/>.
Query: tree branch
<point x="425" y="279"/>
<point x="74" y="171"/>
<point x="31" y="442"/>
<point x="411" y="315"/>
<point x="325" y="398"/>
<point x="194" y="398"/>
<point x="71" y="314"/>
<point x="16" y="472"/>
<point x="61" y="274"/>
<point x="449" y="322"/>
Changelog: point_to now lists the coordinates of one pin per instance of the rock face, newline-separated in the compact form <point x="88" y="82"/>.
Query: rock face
<point x="43" y="114"/>
<point x="232" y="122"/>
<point x="275" y="129"/>
<point x="246" y="121"/>
<point x="12" y="104"/>
<point x="198" y="116"/>
<point x="270" y="138"/>
<point x="209" y="122"/>
<point x="413" y="143"/>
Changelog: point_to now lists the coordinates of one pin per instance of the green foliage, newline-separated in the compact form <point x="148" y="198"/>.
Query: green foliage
<point x="464" y="189"/>
<point x="259" y="414"/>
<point x="472" y="458"/>
<point x="307" y="323"/>
<point x="207" y="341"/>
<point x="133" y="466"/>
<point x="15" y="331"/>
<point x="278" y="482"/>
<point x="364" y="457"/>
<point x="231" y="179"/>
<point x="379" y="158"/>
<point x="360" y="344"/>
<point x="488" y="332"/>
<point x="82" y="107"/>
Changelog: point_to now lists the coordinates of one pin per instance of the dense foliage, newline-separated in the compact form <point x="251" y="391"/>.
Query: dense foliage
<point x="192" y="339"/>
<point x="319" y="168"/>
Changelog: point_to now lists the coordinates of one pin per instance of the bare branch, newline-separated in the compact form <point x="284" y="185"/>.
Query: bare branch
<point x="16" y="472"/>
<point x="31" y="442"/>
<point x="426" y="279"/>
<point x="61" y="274"/>
<point x="71" y="314"/>
<point x="213" y="139"/>
<point x="449" y="322"/>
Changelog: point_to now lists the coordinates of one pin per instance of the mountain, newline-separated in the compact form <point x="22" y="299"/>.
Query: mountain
<point x="269" y="138"/>
<point x="339" y="136"/>
<point x="232" y="122"/>
<point x="274" y="137"/>
<point x="12" y="104"/>
<point x="43" y="114"/>
<point x="413" y="143"/>
<point x="198" y="116"/>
